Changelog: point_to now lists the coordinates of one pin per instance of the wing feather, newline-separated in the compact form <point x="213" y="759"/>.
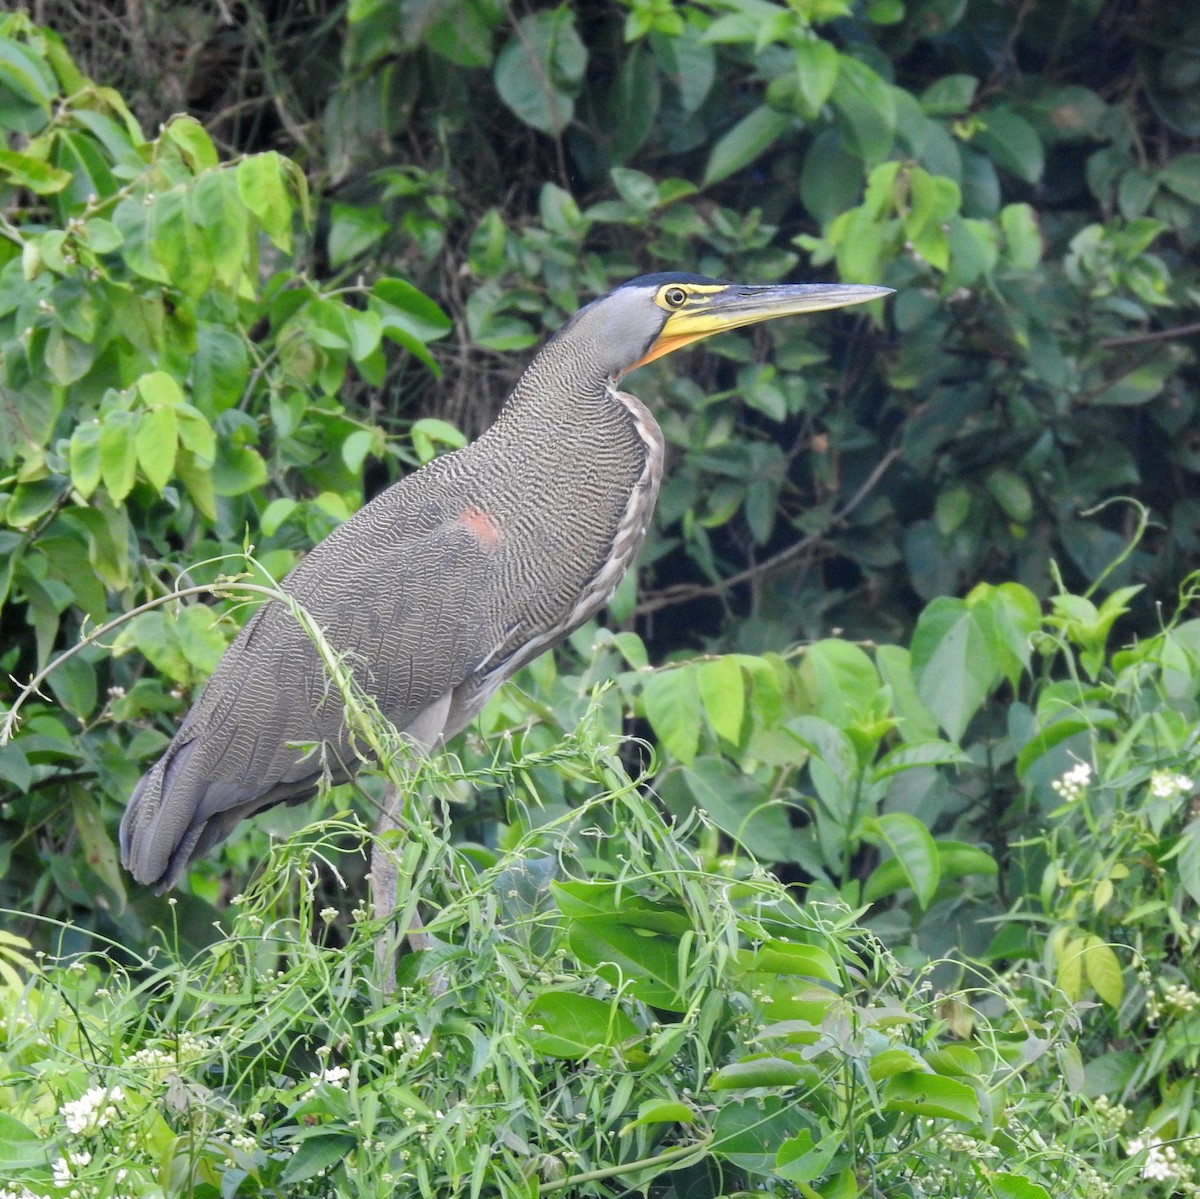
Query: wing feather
<point x="404" y="592"/>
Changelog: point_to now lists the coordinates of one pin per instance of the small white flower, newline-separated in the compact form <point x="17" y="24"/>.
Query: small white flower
<point x="92" y="1110"/>
<point x="332" y="1076"/>
<point x="1074" y="783"/>
<point x="1165" y="785"/>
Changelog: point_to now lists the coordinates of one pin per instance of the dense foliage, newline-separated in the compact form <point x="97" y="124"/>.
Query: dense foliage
<point x="910" y="910"/>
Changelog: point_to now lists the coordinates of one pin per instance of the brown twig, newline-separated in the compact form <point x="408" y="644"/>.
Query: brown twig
<point x="1134" y="339"/>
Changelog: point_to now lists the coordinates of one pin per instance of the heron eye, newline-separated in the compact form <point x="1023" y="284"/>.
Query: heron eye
<point x="675" y="296"/>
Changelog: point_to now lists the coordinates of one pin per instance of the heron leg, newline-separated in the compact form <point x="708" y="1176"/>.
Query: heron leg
<point x="384" y="885"/>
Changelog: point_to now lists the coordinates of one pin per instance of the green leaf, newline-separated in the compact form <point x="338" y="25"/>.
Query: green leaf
<point x="429" y="433"/>
<point x="913" y="847"/>
<point x="660" y="1111"/>
<point x="1188" y="860"/>
<point x="23" y="170"/>
<point x="1103" y="971"/>
<point x="890" y="1062"/>
<point x="1013" y="143"/>
<point x="237" y="469"/>
<point x="672" y="704"/>
<point x="748" y="1133"/>
<point x="157" y="442"/>
<point x="918" y="753"/>
<point x="316" y="1153"/>
<point x="354" y="230"/>
<point x="644" y="962"/>
<point x="762" y="1070"/>
<point x="1015" y="1186"/>
<point x="193" y="142"/>
<point x="866" y="110"/>
<point x="817" y="63"/>
<point x="118" y="454"/>
<point x="915" y="722"/>
<point x="539" y="71"/>
<point x="20" y="1147"/>
<point x="723" y="693"/>
<point x="262" y="185"/>
<point x="26" y="75"/>
<point x="952" y="663"/>
<point x="949" y="96"/>
<point x="99" y="852"/>
<point x="790" y="958"/>
<point x="738" y="806"/>
<point x="752" y="136"/>
<point x="931" y="1096"/>
<point x="567" y="1025"/>
<point x="803" y="1159"/>
<point x="1022" y="236"/>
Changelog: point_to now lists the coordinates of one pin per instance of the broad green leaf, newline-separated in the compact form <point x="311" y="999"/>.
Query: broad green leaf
<point x="950" y="95"/>
<point x="157" y="442"/>
<point x="672" y="704"/>
<point x="802" y="1159"/>
<point x="23" y="170"/>
<point x="568" y="1025"/>
<point x="762" y="1070"/>
<point x="914" y="721"/>
<point x="540" y="69"/>
<point x="316" y="1153"/>
<point x="739" y="807"/>
<point x="1188" y="860"/>
<point x="723" y="693"/>
<point x="748" y="1133"/>
<point x="952" y="663"/>
<point x="840" y="681"/>
<point x="261" y="182"/>
<point x="429" y="433"/>
<point x="25" y="74"/>
<point x="1022" y="236"/>
<point x="1015" y="1186"/>
<point x="198" y="631"/>
<point x="98" y="849"/>
<point x="353" y="230"/>
<point x="891" y="1062"/>
<point x="790" y="958"/>
<point x="1013" y="143"/>
<point x="660" y="1111"/>
<point x="237" y="469"/>
<point x="118" y="454"/>
<point x="1103" y="971"/>
<point x="918" y="753"/>
<point x="817" y="63"/>
<point x="913" y="847"/>
<point x="931" y="1096"/>
<point x="752" y="136"/>
<point x="645" y="963"/>
<point x="20" y="1147"/>
<point x="193" y="142"/>
<point x="866" y="110"/>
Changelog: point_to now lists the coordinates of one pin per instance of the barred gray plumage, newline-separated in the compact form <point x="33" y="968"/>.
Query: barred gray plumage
<point x="448" y="582"/>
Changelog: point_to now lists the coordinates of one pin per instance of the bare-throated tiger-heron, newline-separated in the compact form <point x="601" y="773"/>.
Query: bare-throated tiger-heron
<point x="442" y="586"/>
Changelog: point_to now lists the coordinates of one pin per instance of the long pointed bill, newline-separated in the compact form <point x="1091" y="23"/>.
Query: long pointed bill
<point x="734" y="306"/>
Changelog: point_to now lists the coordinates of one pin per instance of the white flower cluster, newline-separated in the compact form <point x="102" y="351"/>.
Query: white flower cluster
<point x="1162" y="1163"/>
<point x="1074" y="783"/>
<point x="332" y="1076"/>
<point x="93" y="1110"/>
<point x="1165" y="785"/>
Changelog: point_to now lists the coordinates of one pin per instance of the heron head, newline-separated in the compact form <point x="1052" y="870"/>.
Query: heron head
<point x="654" y="314"/>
